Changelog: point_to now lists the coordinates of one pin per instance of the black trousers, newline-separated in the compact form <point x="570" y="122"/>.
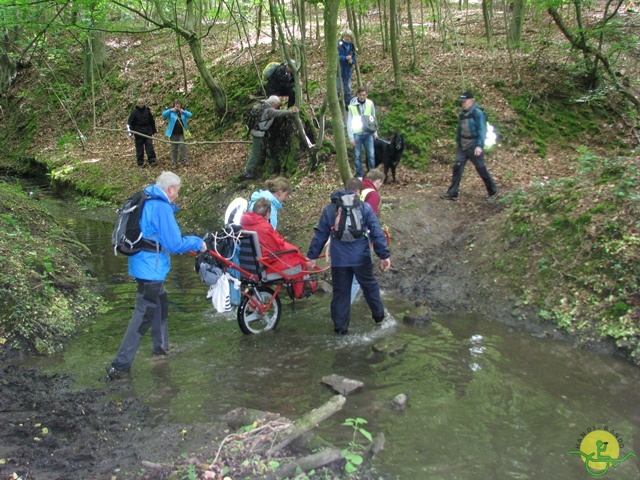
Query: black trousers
<point x="142" y="144"/>
<point x="342" y="278"/>
<point x="462" y="156"/>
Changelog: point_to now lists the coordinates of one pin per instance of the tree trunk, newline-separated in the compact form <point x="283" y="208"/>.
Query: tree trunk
<point x="487" y="13"/>
<point x="351" y="16"/>
<point x="215" y="88"/>
<point x="8" y="70"/>
<point x="517" y="18"/>
<point x="414" y="52"/>
<point x="393" y="21"/>
<point x="331" y="41"/>
<point x="384" y="31"/>
<point x="95" y="55"/>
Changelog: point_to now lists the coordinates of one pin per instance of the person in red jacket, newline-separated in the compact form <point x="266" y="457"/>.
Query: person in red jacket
<point x="271" y="242"/>
<point x="371" y="185"/>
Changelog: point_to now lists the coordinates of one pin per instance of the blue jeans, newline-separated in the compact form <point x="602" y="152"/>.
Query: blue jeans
<point x="342" y="279"/>
<point x="365" y="139"/>
<point x="152" y="310"/>
<point x="343" y="82"/>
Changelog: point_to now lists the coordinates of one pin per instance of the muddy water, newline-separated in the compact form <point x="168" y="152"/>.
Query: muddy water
<point x="485" y="401"/>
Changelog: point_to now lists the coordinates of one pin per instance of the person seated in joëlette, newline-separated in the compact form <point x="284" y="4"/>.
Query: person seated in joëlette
<point x="272" y="242"/>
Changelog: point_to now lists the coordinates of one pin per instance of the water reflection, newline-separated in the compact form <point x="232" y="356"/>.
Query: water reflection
<point x="484" y="401"/>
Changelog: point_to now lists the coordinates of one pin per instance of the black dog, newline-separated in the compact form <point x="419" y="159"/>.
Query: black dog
<point x="389" y="153"/>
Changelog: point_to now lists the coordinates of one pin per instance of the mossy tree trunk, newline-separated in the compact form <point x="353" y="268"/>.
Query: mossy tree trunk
<point x="331" y="41"/>
<point x="517" y="19"/>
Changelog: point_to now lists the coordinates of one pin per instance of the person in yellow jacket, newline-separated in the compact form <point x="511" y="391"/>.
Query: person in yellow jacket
<point x="361" y="113"/>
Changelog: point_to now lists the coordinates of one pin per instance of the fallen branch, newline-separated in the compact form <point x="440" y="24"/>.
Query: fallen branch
<point x="158" y="139"/>
<point x="307" y="422"/>
<point x="310" y="462"/>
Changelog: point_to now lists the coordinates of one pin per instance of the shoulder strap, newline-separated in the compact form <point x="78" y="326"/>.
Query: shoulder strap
<point x="365" y="192"/>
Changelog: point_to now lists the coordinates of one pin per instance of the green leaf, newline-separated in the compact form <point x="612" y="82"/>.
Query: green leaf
<point x="350" y="468"/>
<point x="366" y="434"/>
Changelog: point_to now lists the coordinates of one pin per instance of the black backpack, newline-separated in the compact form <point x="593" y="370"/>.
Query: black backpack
<point x="127" y="236"/>
<point x="254" y="115"/>
<point x="348" y="225"/>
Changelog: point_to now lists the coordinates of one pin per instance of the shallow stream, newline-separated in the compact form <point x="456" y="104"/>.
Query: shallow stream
<point x="485" y="401"/>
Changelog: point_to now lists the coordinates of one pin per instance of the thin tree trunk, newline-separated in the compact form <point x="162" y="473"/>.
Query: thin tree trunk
<point x="414" y="52"/>
<point x="517" y="18"/>
<point x="384" y="26"/>
<point x="397" y="75"/>
<point x="487" y="13"/>
<point x="356" y="39"/>
<point x="331" y="42"/>
<point x="510" y="47"/>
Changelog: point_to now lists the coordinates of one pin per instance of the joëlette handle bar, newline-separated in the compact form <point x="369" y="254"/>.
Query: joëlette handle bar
<point x="253" y="277"/>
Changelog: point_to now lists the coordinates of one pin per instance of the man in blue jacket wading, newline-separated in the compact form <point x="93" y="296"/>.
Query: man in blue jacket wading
<point x="349" y="259"/>
<point x="150" y="268"/>
<point x="470" y="137"/>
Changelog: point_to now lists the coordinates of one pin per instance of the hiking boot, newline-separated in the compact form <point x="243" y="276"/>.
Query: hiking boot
<point x="142" y="165"/>
<point x="492" y="197"/>
<point x="249" y="176"/>
<point x="152" y="163"/>
<point x="159" y="351"/>
<point x="448" y="196"/>
<point x="341" y="331"/>
<point x="113" y="373"/>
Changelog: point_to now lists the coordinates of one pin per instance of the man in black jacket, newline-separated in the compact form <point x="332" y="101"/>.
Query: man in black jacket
<point x="281" y="83"/>
<point x="141" y="121"/>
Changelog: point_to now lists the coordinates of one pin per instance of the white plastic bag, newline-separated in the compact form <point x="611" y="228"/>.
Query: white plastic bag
<point x="219" y="294"/>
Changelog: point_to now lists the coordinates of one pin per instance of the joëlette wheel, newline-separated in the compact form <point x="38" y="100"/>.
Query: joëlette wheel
<point x="250" y="319"/>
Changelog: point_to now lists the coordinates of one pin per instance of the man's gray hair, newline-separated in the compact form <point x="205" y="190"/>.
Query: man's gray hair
<point x="166" y="180"/>
<point x="274" y="100"/>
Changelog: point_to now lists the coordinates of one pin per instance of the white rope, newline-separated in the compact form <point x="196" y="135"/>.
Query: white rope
<point x="227" y="232"/>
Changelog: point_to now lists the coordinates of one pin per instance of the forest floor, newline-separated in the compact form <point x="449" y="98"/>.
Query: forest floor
<point x="442" y="252"/>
